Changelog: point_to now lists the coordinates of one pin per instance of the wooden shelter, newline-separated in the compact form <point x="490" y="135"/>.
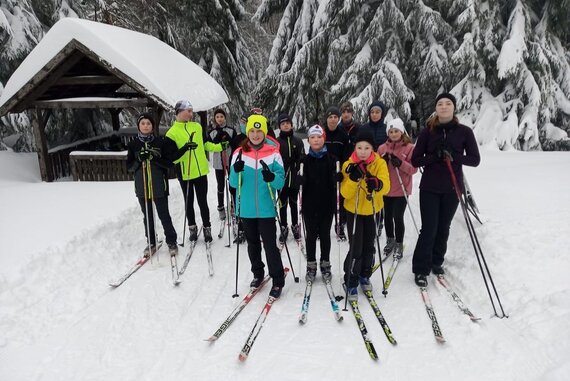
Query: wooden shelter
<point x="93" y="65"/>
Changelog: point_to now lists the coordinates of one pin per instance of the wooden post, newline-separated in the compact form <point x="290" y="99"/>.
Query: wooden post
<point x="115" y="118"/>
<point x="39" y="123"/>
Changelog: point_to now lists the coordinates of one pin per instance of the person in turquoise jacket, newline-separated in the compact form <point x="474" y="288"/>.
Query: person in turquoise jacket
<point x="257" y="173"/>
<point x="192" y="165"/>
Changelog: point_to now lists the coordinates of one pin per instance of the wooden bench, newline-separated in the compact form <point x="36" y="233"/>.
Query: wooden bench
<point x="99" y="166"/>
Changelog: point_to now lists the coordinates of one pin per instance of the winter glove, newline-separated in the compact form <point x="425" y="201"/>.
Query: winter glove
<point x="356" y="171"/>
<point x="386" y="157"/>
<point x="373" y="184"/>
<point x="268" y="176"/>
<point x="443" y="151"/>
<point x="190" y="146"/>
<point x="395" y="161"/>
<point x="239" y="165"/>
<point x="144" y="154"/>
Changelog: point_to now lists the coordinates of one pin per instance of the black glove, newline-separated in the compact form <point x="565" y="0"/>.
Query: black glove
<point x="299" y="181"/>
<point x="386" y="157"/>
<point x="444" y="151"/>
<point x="395" y="161"/>
<point x="268" y="176"/>
<point x="356" y="171"/>
<point x="190" y="146"/>
<point x="144" y="154"/>
<point x="239" y="165"/>
<point x="373" y="184"/>
<point x="338" y="176"/>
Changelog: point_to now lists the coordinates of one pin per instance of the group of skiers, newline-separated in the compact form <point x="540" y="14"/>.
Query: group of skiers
<point x="358" y="175"/>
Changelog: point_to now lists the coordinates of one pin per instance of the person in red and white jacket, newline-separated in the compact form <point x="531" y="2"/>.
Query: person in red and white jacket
<point x="397" y="151"/>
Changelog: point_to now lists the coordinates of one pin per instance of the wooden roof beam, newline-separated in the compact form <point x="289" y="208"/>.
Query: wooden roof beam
<point x="93" y="103"/>
<point x="88" y="80"/>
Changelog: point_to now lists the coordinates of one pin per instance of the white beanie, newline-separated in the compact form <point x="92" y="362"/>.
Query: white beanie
<point x="316" y="130"/>
<point x="397" y="123"/>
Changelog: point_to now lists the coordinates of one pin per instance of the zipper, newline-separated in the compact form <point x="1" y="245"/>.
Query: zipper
<point x="290" y="158"/>
<point x="256" y="188"/>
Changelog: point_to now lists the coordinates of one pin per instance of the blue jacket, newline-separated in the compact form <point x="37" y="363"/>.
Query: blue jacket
<point x="254" y="196"/>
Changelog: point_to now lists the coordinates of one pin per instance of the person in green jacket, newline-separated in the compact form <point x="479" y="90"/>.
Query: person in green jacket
<point x="192" y="165"/>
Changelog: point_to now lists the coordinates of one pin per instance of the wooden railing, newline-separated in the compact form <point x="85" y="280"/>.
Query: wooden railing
<point x="99" y="166"/>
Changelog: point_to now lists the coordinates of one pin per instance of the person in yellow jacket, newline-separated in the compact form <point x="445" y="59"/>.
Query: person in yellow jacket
<point x="192" y="165"/>
<point x="365" y="181"/>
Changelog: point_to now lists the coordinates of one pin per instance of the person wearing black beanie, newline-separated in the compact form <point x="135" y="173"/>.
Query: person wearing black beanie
<point x="376" y="115"/>
<point x="292" y="152"/>
<point x="153" y="155"/>
<point x="444" y="140"/>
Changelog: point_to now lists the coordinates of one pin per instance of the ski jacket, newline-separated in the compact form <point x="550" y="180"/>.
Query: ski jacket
<point x="197" y="165"/>
<point x="460" y="140"/>
<point x="351" y="130"/>
<point x="337" y="143"/>
<point x="254" y="198"/>
<point x="217" y="135"/>
<point x="348" y="188"/>
<point x="378" y="129"/>
<point x="159" y="166"/>
<point x="319" y="186"/>
<point x="292" y="152"/>
<point x="407" y="170"/>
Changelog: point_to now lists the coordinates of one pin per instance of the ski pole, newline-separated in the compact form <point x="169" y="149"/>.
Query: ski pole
<point x="470" y="201"/>
<point x="407" y="200"/>
<point x="190" y="139"/>
<point x="147" y="187"/>
<point x="228" y="215"/>
<point x="300" y="213"/>
<point x="475" y="241"/>
<point x="265" y="167"/>
<point x="339" y="297"/>
<point x="351" y="244"/>
<point x="238" y="207"/>
<point x="384" y="292"/>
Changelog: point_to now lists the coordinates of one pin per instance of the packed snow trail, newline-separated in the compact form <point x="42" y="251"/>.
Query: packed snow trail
<point x="59" y="320"/>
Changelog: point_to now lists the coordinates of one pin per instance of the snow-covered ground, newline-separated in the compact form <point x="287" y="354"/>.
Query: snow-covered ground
<point x="61" y="243"/>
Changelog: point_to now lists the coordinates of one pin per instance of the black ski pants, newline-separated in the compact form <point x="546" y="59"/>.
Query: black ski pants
<point x="288" y="196"/>
<point x="264" y="228"/>
<point x="437" y="211"/>
<point x="200" y="186"/>
<point x="360" y="258"/>
<point x="221" y="182"/>
<point x="394" y="208"/>
<point x="318" y="226"/>
<point x="164" y="215"/>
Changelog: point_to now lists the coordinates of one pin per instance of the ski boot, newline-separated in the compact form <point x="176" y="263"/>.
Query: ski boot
<point x="283" y="235"/>
<point x="437" y="270"/>
<point x="256" y="282"/>
<point x="398" y="250"/>
<point x="193" y="237"/>
<point x="207" y="234"/>
<point x="173" y="249"/>
<point x="421" y="280"/>
<point x="275" y="292"/>
<point x="390" y="246"/>
<point x="311" y="271"/>
<point x="222" y="213"/>
<point x="365" y="283"/>
<point x="326" y="270"/>
<point x="296" y="229"/>
<point x="149" y="251"/>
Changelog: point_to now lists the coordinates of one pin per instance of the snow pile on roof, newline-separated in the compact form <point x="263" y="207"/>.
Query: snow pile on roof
<point x="162" y="70"/>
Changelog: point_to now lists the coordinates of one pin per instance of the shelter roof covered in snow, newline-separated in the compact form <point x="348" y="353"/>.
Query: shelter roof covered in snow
<point x="85" y="59"/>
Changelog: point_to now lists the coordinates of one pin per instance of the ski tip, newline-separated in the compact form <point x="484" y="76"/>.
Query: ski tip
<point x="242" y="357"/>
<point x="113" y="285"/>
<point x="211" y="339"/>
<point x="176" y="282"/>
<point x="302" y="320"/>
<point x="440" y="339"/>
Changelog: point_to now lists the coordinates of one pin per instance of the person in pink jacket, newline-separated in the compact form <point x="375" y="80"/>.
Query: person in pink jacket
<point x="397" y="151"/>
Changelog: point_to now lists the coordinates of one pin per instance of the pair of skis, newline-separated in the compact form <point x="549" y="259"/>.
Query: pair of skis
<point x="134" y="269"/>
<point x="244" y="353"/>
<point x="362" y="327"/>
<point x="307" y="298"/>
<point x="191" y="251"/>
<point x="431" y="313"/>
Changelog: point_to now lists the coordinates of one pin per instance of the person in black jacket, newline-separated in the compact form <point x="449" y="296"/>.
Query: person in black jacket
<point x="152" y="155"/>
<point x="338" y="144"/>
<point x="348" y="124"/>
<point x="375" y="124"/>
<point x="318" y="201"/>
<point x="292" y="151"/>
<point x="443" y="137"/>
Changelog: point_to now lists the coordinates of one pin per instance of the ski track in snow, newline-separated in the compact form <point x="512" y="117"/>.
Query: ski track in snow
<point x="59" y="320"/>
